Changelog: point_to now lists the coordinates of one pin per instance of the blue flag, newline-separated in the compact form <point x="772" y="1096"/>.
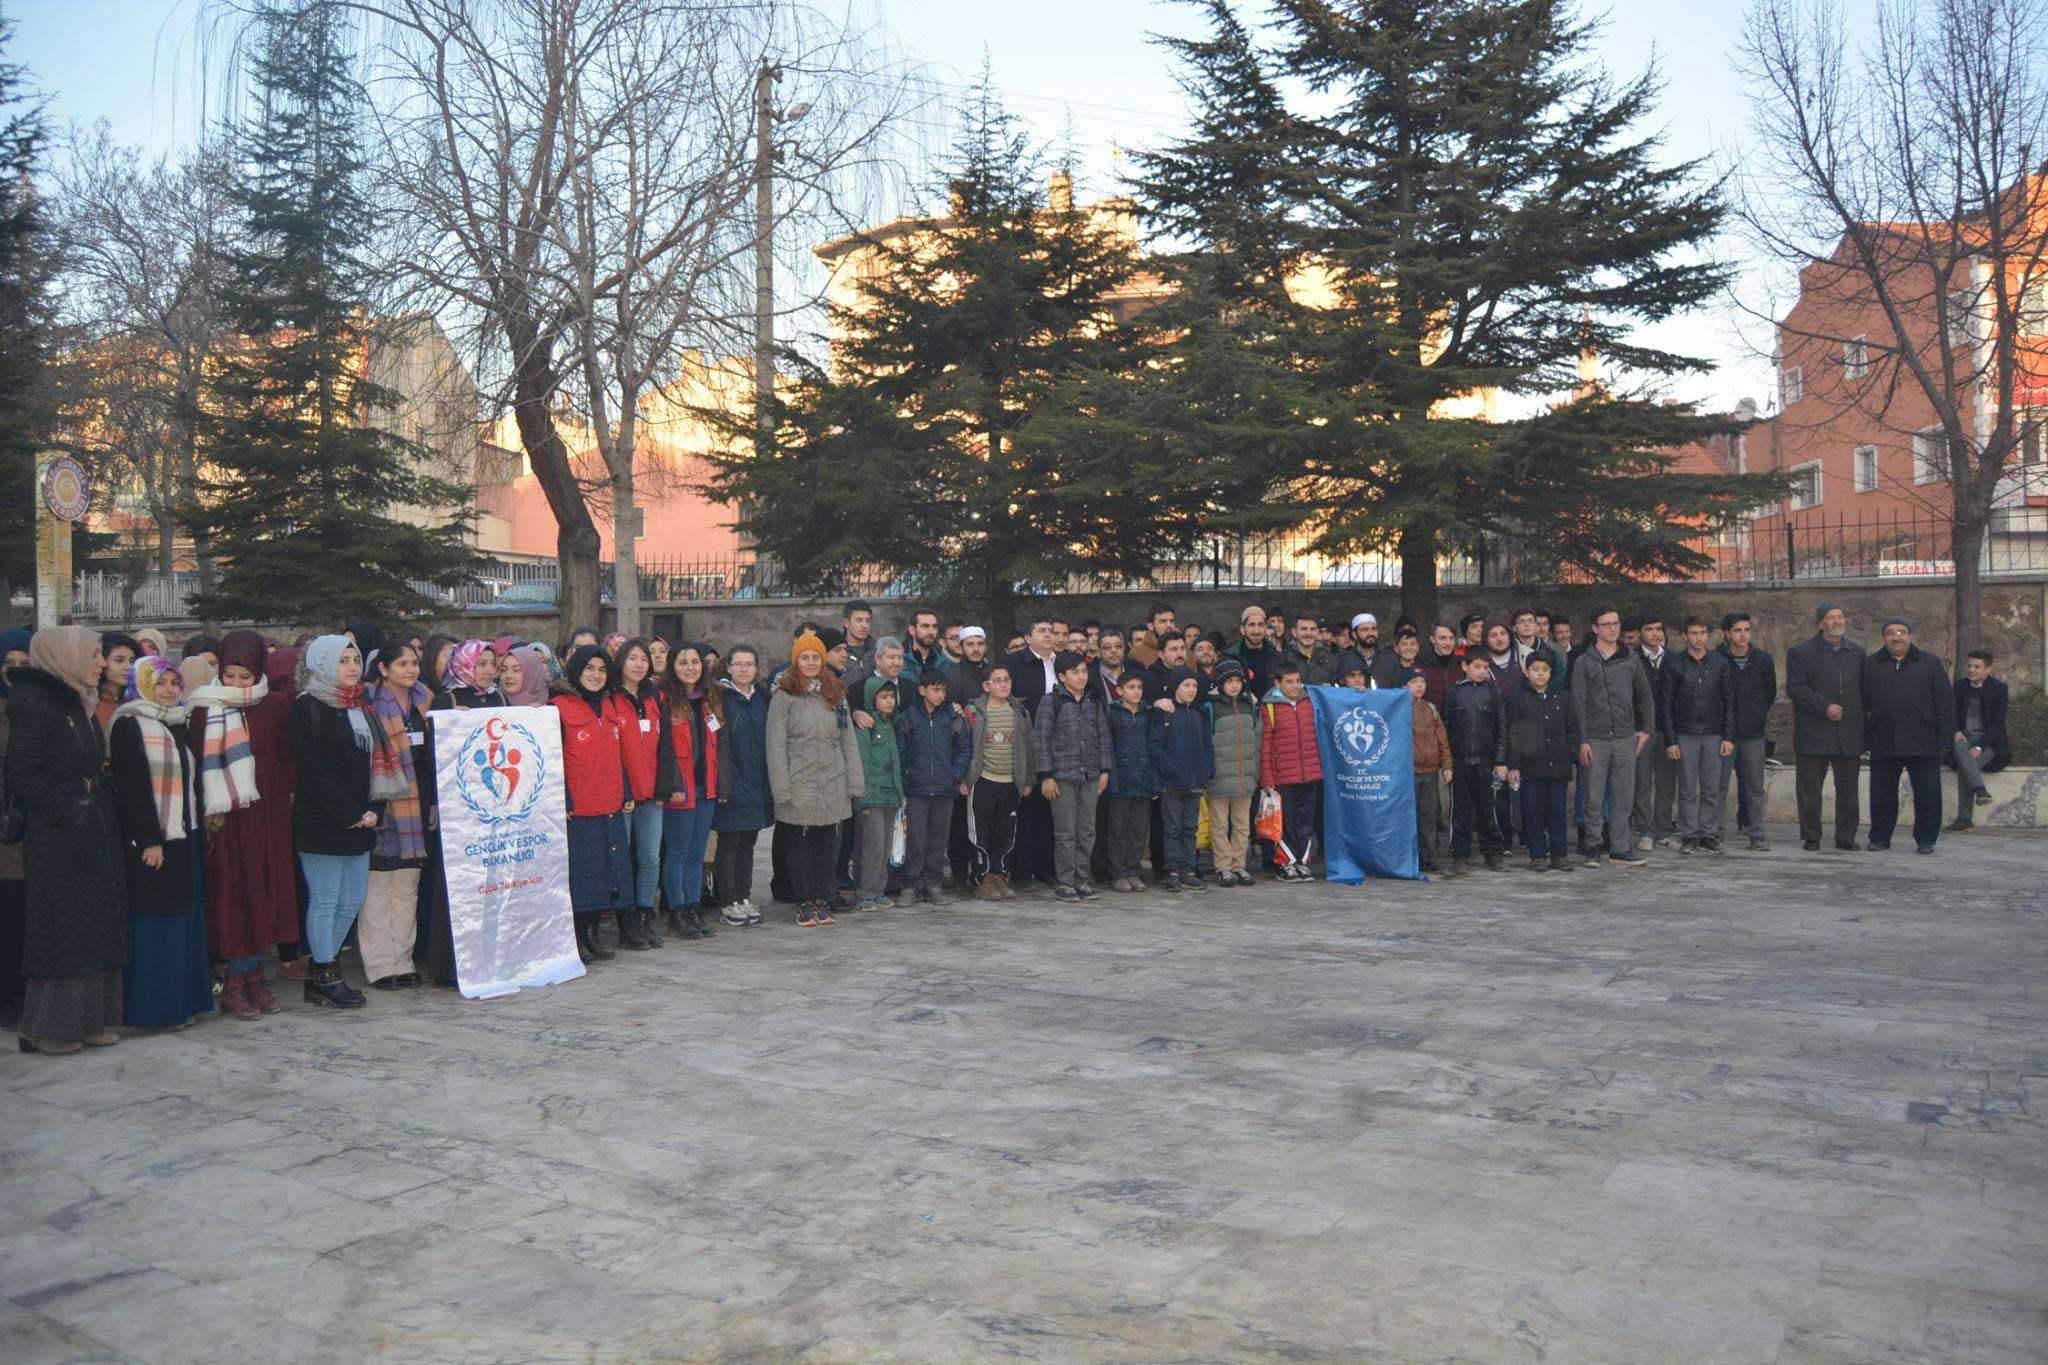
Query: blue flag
<point x="1367" y="741"/>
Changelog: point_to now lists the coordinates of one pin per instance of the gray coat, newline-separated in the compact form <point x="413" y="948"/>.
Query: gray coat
<point x="813" y="760"/>
<point x="1072" y="743"/>
<point x="1815" y="678"/>
<point x="1611" y="697"/>
<point x="1023" y="758"/>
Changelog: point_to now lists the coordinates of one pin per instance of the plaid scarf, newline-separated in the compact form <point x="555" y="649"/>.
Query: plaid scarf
<point x="170" y="776"/>
<point x="402" y="831"/>
<point x="227" y="763"/>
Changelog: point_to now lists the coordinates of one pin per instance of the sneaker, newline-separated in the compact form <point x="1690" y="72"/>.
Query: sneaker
<point x="1810" y="845"/>
<point x="1538" y="863"/>
<point x="1065" y="893"/>
<point x="1917" y="848"/>
<point x="1688" y="846"/>
<point x="863" y="906"/>
<point x="1558" y="863"/>
<point x="734" y="916"/>
<point x="825" y="915"/>
<point x="1644" y="843"/>
<point x="1983" y="797"/>
<point x="1710" y="845"/>
<point x="753" y="912"/>
<point x="1759" y="844"/>
<point x="1592" y="858"/>
<point x="1170" y="885"/>
<point x="1192" y="881"/>
<point x="806" y="916"/>
<point x="1629" y="858"/>
<point x="1960" y="825"/>
<point x="1663" y="841"/>
<point x="1085" y="891"/>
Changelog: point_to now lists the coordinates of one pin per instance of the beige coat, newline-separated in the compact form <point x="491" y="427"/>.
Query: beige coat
<point x="814" y="767"/>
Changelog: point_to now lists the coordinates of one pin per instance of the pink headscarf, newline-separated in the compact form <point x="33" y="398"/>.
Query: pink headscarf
<point x="462" y="664"/>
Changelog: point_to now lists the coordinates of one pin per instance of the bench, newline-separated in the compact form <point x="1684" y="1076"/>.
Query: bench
<point x="2019" y="798"/>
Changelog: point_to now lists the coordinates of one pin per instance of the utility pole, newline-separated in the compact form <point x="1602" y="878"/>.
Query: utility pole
<point x="764" y="255"/>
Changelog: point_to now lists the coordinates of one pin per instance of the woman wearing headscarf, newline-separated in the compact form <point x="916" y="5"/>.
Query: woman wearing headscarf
<point x="472" y="677"/>
<point x="205" y="647"/>
<point x="13" y="654"/>
<point x="237" y="730"/>
<point x="814" y="772"/>
<point x="686" y="785"/>
<point x="336" y="744"/>
<point x="75" y="900"/>
<point x="637" y="699"/>
<point x="658" y="650"/>
<point x="593" y="762"/>
<point x="744" y="807"/>
<point x="523" y="676"/>
<point x="168" y="982"/>
<point x="389" y="925"/>
<point x="152" y="642"/>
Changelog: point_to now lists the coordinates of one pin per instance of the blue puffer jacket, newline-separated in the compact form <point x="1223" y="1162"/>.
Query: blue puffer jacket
<point x="744" y="801"/>
<point x="1181" y="752"/>
<point x="936" y="748"/>
<point x="1130" y="740"/>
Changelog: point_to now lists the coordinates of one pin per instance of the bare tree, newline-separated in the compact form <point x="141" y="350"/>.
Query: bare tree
<point x="1904" y="179"/>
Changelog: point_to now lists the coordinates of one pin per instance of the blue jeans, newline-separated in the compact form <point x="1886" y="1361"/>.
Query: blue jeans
<point x="643" y="834"/>
<point x="336" y="888"/>
<point x="682" y="871"/>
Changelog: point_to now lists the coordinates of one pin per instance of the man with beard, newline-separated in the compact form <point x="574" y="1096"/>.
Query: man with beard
<point x="1259" y="655"/>
<point x="1159" y="624"/>
<point x="1380" y="665"/>
<point x="1111" y="663"/>
<point x="1317" y="660"/>
<point x="966" y="675"/>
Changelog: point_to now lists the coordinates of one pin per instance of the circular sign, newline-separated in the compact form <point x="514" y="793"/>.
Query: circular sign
<point x="66" y="491"/>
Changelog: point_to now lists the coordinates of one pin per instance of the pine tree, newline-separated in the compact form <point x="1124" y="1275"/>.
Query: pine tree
<point x="302" y="482"/>
<point x="1460" y="201"/>
<point x="24" y="322"/>
<point x="943" y="439"/>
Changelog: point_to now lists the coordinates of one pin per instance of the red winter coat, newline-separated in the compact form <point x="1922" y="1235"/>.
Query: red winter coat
<point x="640" y="734"/>
<point x="593" y="760"/>
<point x="676" y="781"/>
<point x="252" y="899"/>
<point x="1287" y="749"/>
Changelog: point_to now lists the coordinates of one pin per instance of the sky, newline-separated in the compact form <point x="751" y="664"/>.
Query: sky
<point x="1081" y="64"/>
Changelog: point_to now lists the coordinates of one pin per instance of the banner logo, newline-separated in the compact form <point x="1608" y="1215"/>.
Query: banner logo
<point x="499" y="772"/>
<point x="1363" y="737"/>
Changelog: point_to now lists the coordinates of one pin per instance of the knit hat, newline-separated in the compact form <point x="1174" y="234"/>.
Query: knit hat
<point x="1820" y="613"/>
<point x="806" y="641"/>
<point x="1402" y="677"/>
<point x="1228" y="667"/>
<point x="1891" y="621"/>
<point x="1350" y="661"/>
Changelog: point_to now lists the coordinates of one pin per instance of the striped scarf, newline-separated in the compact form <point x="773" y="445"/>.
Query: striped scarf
<point x="402" y="831"/>
<point x="227" y="763"/>
<point x="170" y="776"/>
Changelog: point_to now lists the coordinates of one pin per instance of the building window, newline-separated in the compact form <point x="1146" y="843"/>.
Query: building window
<point x="1856" y="358"/>
<point x="2034" y="307"/>
<point x="1805" y="486"/>
<point x="1958" y="317"/>
<point x="1930" y="456"/>
<point x="2033" y="424"/>
<point x="1791" y="385"/>
<point x="1866" y="469"/>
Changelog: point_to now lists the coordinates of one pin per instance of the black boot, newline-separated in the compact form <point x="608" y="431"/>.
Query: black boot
<point x="326" y="986"/>
<point x="629" y="931"/>
<point x="695" y="914"/>
<point x="597" y="948"/>
<point x="679" y="924"/>
<point x="650" y="929"/>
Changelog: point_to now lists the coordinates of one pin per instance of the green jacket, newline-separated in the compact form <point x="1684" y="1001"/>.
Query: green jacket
<point x="1234" y="733"/>
<point x="881" y="764"/>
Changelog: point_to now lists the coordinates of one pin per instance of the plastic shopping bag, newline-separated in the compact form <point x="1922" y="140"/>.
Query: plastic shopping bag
<point x="1267" y="822"/>
<point x="899" y="840"/>
<point x="1202" y="825"/>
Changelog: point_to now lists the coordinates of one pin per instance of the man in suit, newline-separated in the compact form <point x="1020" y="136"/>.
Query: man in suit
<point x="1980" y="744"/>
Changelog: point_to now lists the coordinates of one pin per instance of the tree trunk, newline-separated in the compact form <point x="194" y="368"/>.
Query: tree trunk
<point x="576" y="539"/>
<point x="625" y="554"/>
<point x="1418" y="575"/>
<point x="1968" y="552"/>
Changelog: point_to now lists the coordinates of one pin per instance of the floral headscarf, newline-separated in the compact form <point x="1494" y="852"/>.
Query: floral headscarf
<point x="462" y="664"/>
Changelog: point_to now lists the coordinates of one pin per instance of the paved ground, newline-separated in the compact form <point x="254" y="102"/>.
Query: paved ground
<point x="1770" y="1107"/>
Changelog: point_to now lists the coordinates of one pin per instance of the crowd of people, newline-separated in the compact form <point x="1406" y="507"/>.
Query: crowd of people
<point x="166" y="828"/>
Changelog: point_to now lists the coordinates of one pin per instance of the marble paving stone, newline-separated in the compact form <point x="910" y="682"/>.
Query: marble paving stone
<point x="1769" y="1107"/>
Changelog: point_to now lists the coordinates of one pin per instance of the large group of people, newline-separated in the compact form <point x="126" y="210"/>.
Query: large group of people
<point x="167" y="827"/>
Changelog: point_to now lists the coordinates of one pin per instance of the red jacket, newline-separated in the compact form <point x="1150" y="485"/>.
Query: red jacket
<point x="640" y="735"/>
<point x="1287" y="748"/>
<point x="676" y="781"/>
<point x="593" y="760"/>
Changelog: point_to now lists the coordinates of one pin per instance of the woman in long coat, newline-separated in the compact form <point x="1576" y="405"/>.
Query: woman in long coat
<point x="814" y="772"/>
<point x="744" y="807"/>
<point x="168" y="982"/>
<point x="13" y="655"/>
<point x="245" y="777"/>
<point x="75" y="927"/>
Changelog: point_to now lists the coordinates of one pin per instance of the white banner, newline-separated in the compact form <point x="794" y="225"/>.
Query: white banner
<point x="505" y="847"/>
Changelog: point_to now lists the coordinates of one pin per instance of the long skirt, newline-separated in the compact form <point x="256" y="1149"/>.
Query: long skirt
<point x="168" y="981"/>
<point x="71" y="1009"/>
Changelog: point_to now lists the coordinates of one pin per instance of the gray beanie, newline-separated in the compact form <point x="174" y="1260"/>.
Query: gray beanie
<point x="1891" y="621"/>
<point x="1820" y="613"/>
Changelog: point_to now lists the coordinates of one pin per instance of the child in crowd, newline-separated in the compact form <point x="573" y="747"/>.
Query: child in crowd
<point x="1182" y="757"/>
<point x="1350" y="671"/>
<point x="1290" y="762"/>
<point x="1133" y="783"/>
<point x="1432" y="757"/>
<point x="874" y="813"/>
<point x="1543" y="745"/>
<point x="1234" y="780"/>
<point x="1001" y="770"/>
<point x="1475" y="718"/>
<point x="936" y="747"/>
<point x="1073" y="751"/>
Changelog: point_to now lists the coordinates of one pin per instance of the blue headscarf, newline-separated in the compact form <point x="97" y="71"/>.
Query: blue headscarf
<point x="16" y="637"/>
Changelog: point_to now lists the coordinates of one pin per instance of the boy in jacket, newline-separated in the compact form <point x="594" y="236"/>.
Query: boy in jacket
<point x="937" y="748"/>
<point x="1543" y="746"/>
<point x="1133" y="783"/>
<point x="1432" y="766"/>
<point x="1475" y="718"/>
<point x="1002" y="769"/>
<point x="874" y="814"/>
<point x="1291" y="763"/>
<point x="1753" y="686"/>
<point x="1184" y="760"/>
<point x="1073" y="749"/>
<point x="1234" y="769"/>
<point x="1699" y="721"/>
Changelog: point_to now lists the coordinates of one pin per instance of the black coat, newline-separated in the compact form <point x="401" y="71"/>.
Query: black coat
<point x="1027" y="680"/>
<point x="744" y="801"/>
<point x="333" y="781"/>
<point x="1994" y="700"/>
<point x="165" y="890"/>
<point x="1697" y="698"/>
<point x="1816" y="678"/>
<point x="1475" y="718"/>
<point x="1752" y="688"/>
<point x="964" y="678"/>
<point x="1543" y="733"/>
<point x="1655" y="673"/>
<point x="76" y="899"/>
<point x="1909" y="705"/>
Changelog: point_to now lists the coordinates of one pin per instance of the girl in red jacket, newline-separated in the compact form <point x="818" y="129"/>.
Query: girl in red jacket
<point x="687" y="784"/>
<point x="594" y="764"/>
<point x="638" y="702"/>
<point x="1290" y="761"/>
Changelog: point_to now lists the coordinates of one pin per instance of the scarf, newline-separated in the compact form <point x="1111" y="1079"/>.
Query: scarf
<point x="323" y="683"/>
<point x="12" y="639"/>
<point x="227" y="763"/>
<point x="170" y="776"/>
<point x="402" y="833"/>
<point x="533" y="678"/>
<point x="66" y="652"/>
<point x="462" y="665"/>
